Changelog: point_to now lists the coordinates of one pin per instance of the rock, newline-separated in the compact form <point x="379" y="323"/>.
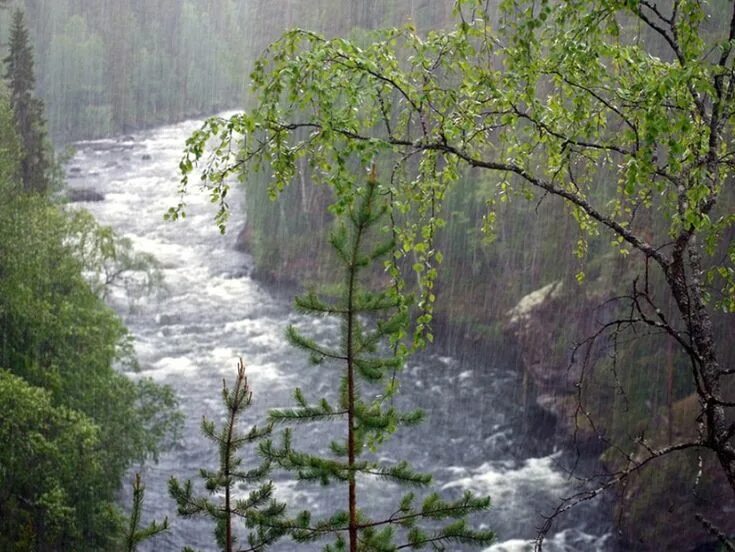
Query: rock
<point x="128" y="138"/>
<point x="243" y="240"/>
<point x="542" y="324"/>
<point x="145" y="157"/>
<point x="75" y="170"/>
<point x="83" y="194"/>
<point x="522" y="311"/>
<point x="164" y="319"/>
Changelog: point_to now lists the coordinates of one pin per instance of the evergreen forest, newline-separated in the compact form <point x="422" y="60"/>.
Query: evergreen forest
<point x="367" y="276"/>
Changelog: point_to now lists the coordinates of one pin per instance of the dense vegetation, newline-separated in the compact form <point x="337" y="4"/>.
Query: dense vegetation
<point x="70" y="422"/>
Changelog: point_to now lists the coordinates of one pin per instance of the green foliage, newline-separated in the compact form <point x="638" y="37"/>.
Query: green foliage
<point x="58" y="335"/>
<point x="369" y="356"/>
<point x="50" y="474"/>
<point x="62" y="346"/>
<point x="531" y="115"/>
<point x="620" y="112"/>
<point x="110" y="261"/>
<point x="10" y="153"/>
<point x="35" y="164"/>
<point x="258" y="510"/>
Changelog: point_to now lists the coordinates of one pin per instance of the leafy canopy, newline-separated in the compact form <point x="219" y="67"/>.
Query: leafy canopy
<point x="599" y="103"/>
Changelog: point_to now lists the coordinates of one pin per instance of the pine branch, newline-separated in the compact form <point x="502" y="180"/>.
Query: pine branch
<point x="305" y="412"/>
<point x="456" y="532"/>
<point x="310" y="304"/>
<point x="400" y="473"/>
<point x="310" y="346"/>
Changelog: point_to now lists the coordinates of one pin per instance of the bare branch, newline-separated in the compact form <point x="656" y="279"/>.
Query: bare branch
<point x="567" y="503"/>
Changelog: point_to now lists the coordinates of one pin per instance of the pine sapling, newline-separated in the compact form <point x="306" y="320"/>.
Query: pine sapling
<point x="135" y="534"/>
<point x="258" y="504"/>
<point x="368" y="355"/>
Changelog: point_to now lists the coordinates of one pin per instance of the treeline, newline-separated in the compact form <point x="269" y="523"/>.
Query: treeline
<point x="71" y="423"/>
<point x="106" y="66"/>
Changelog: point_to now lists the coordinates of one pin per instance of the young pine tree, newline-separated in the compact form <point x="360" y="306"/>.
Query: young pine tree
<point x="35" y="162"/>
<point x="231" y="474"/>
<point x="368" y="355"/>
<point x="135" y="533"/>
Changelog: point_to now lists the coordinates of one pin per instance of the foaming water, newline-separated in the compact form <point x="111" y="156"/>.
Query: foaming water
<point x="213" y="312"/>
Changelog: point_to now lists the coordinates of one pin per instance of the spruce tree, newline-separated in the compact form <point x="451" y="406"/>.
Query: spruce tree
<point x="231" y="474"/>
<point x="28" y="110"/>
<point x="369" y="354"/>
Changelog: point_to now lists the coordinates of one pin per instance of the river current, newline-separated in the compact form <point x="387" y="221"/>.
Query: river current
<point x="211" y="312"/>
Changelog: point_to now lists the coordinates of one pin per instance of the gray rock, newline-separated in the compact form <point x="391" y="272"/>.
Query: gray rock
<point x="83" y="194"/>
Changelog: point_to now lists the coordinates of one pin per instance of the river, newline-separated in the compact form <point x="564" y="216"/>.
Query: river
<point x="212" y="312"/>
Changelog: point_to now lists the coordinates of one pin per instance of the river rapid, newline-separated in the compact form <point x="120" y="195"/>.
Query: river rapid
<point x="212" y="312"/>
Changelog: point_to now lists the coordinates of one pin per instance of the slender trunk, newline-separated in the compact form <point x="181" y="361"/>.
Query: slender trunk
<point x="670" y="391"/>
<point x="228" y="454"/>
<point x="351" y="391"/>
<point x="705" y="364"/>
<point x="351" y="436"/>
<point x="228" y="519"/>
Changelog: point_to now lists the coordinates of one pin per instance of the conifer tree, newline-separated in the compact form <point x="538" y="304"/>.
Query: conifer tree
<point x="369" y="355"/>
<point x="28" y="109"/>
<point x="231" y="473"/>
<point x="136" y="534"/>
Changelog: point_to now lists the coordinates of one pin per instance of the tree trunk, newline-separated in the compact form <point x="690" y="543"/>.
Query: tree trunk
<point x="705" y="365"/>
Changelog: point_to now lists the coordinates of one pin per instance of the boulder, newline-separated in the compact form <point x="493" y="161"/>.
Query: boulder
<point x="521" y="313"/>
<point x="83" y="194"/>
<point x="243" y="240"/>
<point x="546" y="323"/>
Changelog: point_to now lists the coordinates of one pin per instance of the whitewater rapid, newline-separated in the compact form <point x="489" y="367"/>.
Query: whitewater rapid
<point x="211" y="312"/>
